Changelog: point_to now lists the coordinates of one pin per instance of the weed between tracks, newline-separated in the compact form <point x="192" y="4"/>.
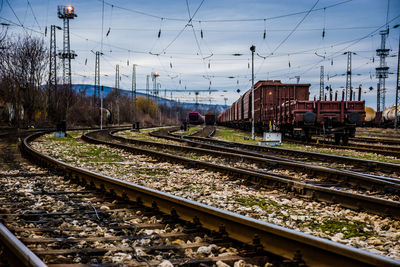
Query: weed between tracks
<point x="331" y="226"/>
<point x="236" y="136"/>
<point x="74" y="147"/>
<point x="347" y="228"/>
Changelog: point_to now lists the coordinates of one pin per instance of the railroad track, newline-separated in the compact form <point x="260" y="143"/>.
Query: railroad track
<point x="87" y="218"/>
<point x="315" y="191"/>
<point x="355" y="164"/>
<point x="385" y="141"/>
<point x="386" y="151"/>
<point x="275" y="244"/>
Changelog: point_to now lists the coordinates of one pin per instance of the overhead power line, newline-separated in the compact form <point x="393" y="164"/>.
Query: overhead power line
<point x="221" y="20"/>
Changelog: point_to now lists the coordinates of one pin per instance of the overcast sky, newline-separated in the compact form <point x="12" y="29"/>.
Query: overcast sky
<point x="293" y="45"/>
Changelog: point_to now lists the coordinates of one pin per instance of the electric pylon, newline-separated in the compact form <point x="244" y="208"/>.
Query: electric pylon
<point x="348" y="76"/>
<point x="382" y="71"/>
<point x="52" y="71"/>
<point x="321" y="84"/>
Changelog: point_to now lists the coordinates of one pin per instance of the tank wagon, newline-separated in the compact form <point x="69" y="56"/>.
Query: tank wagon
<point x="195" y="118"/>
<point x="287" y="108"/>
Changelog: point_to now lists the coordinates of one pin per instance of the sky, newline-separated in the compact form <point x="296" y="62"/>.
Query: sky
<point x="209" y="53"/>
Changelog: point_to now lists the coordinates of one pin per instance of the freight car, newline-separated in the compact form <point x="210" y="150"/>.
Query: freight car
<point x="210" y="118"/>
<point x="287" y="108"/>
<point x="195" y="118"/>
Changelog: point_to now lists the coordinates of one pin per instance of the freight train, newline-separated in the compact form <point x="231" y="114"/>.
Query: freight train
<point x="195" y="118"/>
<point x="287" y="108"/>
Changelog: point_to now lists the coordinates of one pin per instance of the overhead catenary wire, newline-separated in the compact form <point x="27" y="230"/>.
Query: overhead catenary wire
<point x="221" y="20"/>
<point x="34" y="16"/>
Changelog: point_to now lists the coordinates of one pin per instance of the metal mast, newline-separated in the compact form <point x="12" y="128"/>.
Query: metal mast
<point x="66" y="13"/>
<point x="134" y="93"/>
<point x="147" y="85"/>
<point x="53" y="70"/>
<point x="96" y="79"/>
<point x="117" y="89"/>
<point x="382" y="71"/>
<point x="397" y="102"/>
<point x="321" y="84"/>
<point x="348" y="76"/>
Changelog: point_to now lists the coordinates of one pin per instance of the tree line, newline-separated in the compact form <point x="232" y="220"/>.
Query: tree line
<point x="26" y="99"/>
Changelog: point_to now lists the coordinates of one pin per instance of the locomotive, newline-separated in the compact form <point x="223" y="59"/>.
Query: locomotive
<point x="287" y="108"/>
<point x="195" y="118"/>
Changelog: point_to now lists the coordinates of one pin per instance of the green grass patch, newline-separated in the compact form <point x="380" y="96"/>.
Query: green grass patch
<point x="97" y="154"/>
<point x="73" y="146"/>
<point x="153" y="172"/>
<point x="237" y="136"/>
<point x="192" y="130"/>
<point x="348" y="228"/>
<point x="263" y="203"/>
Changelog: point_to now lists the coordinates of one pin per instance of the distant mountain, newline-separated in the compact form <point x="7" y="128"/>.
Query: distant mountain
<point x="88" y="89"/>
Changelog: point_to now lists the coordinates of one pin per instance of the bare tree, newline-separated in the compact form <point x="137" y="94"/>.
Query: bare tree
<point x="22" y="71"/>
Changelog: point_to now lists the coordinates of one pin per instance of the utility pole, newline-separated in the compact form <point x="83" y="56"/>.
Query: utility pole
<point x="52" y="71"/>
<point x="348" y="76"/>
<point x="321" y="84"/>
<point x="382" y="71"/>
<point x="117" y="89"/>
<point x="252" y="49"/>
<point x="134" y="93"/>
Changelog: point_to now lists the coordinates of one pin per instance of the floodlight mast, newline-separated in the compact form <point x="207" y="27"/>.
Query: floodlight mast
<point x="66" y="13"/>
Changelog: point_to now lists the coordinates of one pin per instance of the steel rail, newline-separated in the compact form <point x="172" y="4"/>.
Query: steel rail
<point x="366" y="181"/>
<point x="349" y="200"/>
<point x="275" y="239"/>
<point x="388" y="141"/>
<point x="17" y="252"/>
<point x="387" y="151"/>
<point x="281" y="160"/>
<point x="368" y="164"/>
<point x="170" y="136"/>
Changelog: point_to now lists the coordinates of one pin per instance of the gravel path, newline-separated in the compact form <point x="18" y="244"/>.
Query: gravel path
<point x="370" y="232"/>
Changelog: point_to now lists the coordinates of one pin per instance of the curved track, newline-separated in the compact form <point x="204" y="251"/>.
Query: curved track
<point x="271" y="242"/>
<point x="318" y="192"/>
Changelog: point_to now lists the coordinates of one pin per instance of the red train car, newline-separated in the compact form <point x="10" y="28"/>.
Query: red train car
<point x="286" y="108"/>
<point x="195" y="118"/>
<point x="210" y="118"/>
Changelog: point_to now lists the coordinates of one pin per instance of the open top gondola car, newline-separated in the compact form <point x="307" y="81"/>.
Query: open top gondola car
<point x="287" y="108"/>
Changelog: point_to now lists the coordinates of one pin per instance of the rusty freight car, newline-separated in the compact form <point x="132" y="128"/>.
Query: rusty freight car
<point x="287" y="108"/>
